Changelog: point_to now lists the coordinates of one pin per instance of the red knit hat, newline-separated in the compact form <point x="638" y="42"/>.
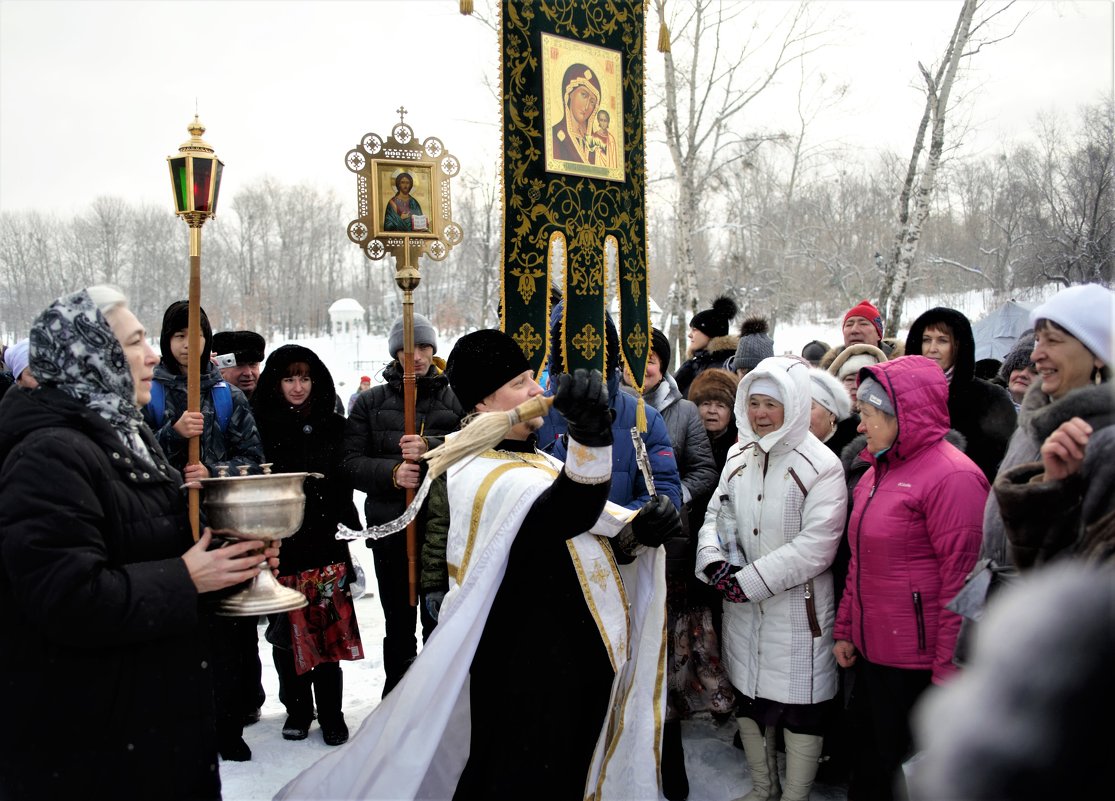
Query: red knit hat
<point x="867" y="311"/>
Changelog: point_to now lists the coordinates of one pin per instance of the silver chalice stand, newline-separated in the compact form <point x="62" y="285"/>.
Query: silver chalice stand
<point x="264" y="508"/>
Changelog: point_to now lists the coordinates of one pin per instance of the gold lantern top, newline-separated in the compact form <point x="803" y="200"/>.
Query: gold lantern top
<point x="195" y="175"/>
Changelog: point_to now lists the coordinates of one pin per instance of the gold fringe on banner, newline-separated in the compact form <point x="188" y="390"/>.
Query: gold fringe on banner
<point x="663" y="36"/>
<point x="466" y="7"/>
<point x="641" y="415"/>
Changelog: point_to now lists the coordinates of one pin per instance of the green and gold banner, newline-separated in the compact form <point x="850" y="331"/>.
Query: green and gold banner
<point x="574" y="175"/>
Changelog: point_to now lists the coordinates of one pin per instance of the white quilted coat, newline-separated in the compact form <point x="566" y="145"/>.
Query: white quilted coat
<point x="779" y="509"/>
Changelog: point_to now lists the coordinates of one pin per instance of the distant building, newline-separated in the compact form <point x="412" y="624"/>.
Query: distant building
<point x="346" y="318"/>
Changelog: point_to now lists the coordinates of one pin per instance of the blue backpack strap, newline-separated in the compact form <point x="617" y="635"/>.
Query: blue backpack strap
<point x="222" y="403"/>
<point x="157" y="404"/>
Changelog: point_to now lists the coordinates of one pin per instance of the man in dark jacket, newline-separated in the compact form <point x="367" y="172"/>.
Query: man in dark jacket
<point x="380" y="461"/>
<point x="982" y="412"/>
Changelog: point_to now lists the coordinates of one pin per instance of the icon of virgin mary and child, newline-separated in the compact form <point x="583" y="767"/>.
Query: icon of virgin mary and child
<point x="574" y="139"/>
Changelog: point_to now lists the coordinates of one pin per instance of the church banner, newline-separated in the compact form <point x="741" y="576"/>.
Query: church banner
<point x="574" y="210"/>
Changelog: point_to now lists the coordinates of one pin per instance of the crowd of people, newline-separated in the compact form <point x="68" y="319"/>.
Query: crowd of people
<point x="845" y="553"/>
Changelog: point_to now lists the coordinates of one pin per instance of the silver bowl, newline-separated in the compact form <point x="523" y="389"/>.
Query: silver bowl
<point x="261" y="508"/>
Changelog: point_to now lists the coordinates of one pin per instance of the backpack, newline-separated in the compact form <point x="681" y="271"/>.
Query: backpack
<point x="220" y="393"/>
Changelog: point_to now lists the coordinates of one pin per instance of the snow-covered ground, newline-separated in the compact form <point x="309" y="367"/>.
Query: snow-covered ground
<point x="717" y="771"/>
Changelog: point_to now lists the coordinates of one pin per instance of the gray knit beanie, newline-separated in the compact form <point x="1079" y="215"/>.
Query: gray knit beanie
<point x="754" y="345"/>
<point x="871" y="391"/>
<point x="424" y="334"/>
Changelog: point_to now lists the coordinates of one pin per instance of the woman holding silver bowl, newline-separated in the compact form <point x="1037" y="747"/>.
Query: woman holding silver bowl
<point x="293" y="406"/>
<point x="104" y="672"/>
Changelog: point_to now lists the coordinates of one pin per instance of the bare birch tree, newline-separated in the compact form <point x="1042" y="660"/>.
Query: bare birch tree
<point x="915" y="198"/>
<point x="708" y="83"/>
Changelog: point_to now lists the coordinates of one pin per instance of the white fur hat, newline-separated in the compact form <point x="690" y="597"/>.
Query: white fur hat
<point x="1088" y="313"/>
<point x="827" y="390"/>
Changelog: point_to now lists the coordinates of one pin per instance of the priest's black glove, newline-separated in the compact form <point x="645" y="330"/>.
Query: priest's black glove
<point x="656" y="522"/>
<point x="582" y="399"/>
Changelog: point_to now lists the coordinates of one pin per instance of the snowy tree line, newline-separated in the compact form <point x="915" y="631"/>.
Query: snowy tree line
<point x="277" y="255"/>
<point x="273" y="260"/>
<point x="1032" y="213"/>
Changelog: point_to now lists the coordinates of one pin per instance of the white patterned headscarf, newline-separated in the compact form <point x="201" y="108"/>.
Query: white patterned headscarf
<point x="74" y="349"/>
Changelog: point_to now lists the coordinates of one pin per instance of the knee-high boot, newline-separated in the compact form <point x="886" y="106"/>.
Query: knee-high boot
<point x="762" y="760"/>
<point x="803" y="754"/>
<point x="296" y="694"/>
<point x="327" y="682"/>
<point x="675" y="782"/>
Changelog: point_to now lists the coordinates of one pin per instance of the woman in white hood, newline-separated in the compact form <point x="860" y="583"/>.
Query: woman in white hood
<point x="767" y="544"/>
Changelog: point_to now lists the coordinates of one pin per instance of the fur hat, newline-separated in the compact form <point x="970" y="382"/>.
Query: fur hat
<point x="853" y="357"/>
<point x="17" y="357"/>
<point x="247" y="346"/>
<point x="714" y="384"/>
<point x="1088" y="313"/>
<point x="1018" y="358"/>
<point x="827" y="390"/>
<point x="754" y="345"/>
<point x="175" y="318"/>
<point x="424" y="334"/>
<point x="866" y="309"/>
<point x="714" y="322"/>
<point x="661" y="348"/>
<point x="482" y="362"/>
<point x="814" y="351"/>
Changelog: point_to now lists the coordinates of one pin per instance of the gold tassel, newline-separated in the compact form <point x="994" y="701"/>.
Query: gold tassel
<point x="663" y="37"/>
<point x="466" y="7"/>
<point x="641" y="415"/>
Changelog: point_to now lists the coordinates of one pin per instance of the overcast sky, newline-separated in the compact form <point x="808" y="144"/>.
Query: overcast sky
<point x="95" y="95"/>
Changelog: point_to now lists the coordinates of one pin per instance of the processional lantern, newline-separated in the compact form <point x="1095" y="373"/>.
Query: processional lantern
<point x="403" y="205"/>
<point x="195" y="178"/>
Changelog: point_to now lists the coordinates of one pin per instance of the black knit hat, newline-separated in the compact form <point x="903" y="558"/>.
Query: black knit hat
<point x="814" y="351"/>
<point x="661" y="348"/>
<point x="248" y="346"/>
<point x="482" y="362"/>
<point x="714" y="322"/>
<point x="175" y="318"/>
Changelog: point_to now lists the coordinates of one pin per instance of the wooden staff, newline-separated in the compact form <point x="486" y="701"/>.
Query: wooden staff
<point x="407" y="279"/>
<point x="193" y="371"/>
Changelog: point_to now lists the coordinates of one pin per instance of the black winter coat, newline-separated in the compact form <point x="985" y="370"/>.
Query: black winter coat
<point x="104" y="674"/>
<point x="719" y="350"/>
<point x="307" y="440"/>
<point x="373" y="431"/>
<point x="982" y="412"/>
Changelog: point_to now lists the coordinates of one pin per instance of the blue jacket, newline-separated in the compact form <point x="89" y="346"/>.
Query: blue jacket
<point x="628" y="487"/>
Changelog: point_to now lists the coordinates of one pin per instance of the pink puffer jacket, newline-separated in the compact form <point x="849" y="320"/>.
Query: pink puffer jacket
<point x="914" y="532"/>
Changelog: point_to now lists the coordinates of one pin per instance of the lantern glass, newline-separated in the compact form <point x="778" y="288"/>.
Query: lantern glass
<point x="180" y="181"/>
<point x="203" y="174"/>
<point x="217" y="184"/>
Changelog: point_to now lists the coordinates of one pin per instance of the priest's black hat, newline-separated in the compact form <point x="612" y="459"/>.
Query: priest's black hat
<point x="482" y="362"/>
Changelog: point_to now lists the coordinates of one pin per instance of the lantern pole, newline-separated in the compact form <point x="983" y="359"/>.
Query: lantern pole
<point x="195" y="180"/>
<point x="407" y="278"/>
